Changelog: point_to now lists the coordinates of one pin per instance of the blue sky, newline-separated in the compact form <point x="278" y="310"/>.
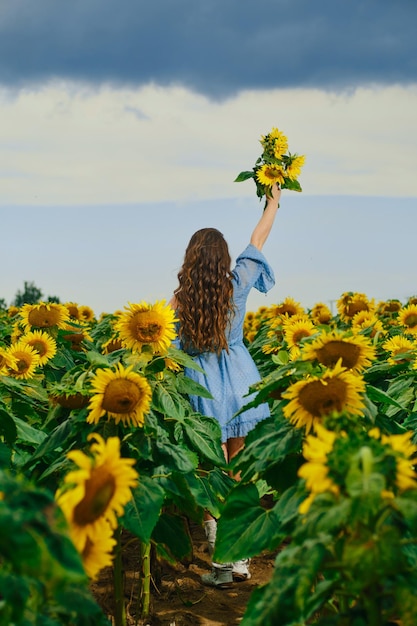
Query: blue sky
<point x="125" y="123"/>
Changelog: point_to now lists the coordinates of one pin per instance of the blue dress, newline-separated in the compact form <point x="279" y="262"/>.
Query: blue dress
<point x="229" y="375"/>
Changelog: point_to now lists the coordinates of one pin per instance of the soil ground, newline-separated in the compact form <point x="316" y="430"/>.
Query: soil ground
<point x="178" y="598"/>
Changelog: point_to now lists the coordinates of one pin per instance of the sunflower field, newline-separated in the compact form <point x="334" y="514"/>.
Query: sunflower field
<point x="99" y="442"/>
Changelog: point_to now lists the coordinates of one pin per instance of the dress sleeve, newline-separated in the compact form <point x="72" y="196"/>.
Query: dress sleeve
<point x="253" y="270"/>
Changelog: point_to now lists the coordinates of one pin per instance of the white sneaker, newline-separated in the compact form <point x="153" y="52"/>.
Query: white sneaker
<point x="220" y="578"/>
<point x="240" y="571"/>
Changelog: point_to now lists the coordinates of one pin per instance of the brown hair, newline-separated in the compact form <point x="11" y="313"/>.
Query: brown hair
<point x="204" y="295"/>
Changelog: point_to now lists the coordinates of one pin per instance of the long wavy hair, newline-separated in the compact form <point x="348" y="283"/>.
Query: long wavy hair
<point x="204" y="294"/>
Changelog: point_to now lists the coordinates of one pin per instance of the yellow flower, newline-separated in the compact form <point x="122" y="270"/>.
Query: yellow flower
<point x="6" y="361"/>
<point x="355" y="352"/>
<point x="389" y="307"/>
<point x="293" y="170"/>
<point x="42" y="342"/>
<point x="95" y="494"/>
<point x="76" y="336"/>
<point x="336" y="391"/>
<point x="404" y="451"/>
<point x="86" y="313"/>
<point x="44" y="315"/>
<point x="407" y="317"/>
<point x="98" y="553"/>
<point x="295" y="329"/>
<point x="288" y="308"/>
<point x="315" y="471"/>
<point x="123" y="394"/>
<point x="275" y="143"/>
<point x="321" y="314"/>
<point x="351" y="303"/>
<point x="400" y="348"/>
<point x="25" y="361"/>
<point x="366" y="320"/>
<point x="73" y="310"/>
<point x="270" y="173"/>
<point x="147" y="325"/>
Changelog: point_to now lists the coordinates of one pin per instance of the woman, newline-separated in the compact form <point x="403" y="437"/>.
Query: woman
<point x="210" y="303"/>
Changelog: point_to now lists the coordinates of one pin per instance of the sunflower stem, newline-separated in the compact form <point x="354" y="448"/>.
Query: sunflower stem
<point x="119" y="604"/>
<point x="146" y="579"/>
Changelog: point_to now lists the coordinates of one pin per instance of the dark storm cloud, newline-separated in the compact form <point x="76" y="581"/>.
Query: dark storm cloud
<point x="217" y="47"/>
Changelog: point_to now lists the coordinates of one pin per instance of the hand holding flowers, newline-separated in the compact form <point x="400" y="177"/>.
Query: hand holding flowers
<point x="275" y="165"/>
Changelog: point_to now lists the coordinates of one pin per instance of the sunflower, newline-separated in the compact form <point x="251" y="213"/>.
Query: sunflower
<point x="275" y="143"/>
<point x="147" y="325"/>
<point x="44" y="315"/>
<point x="271" y="348"/>
<point x="335" y="391"/>
<point x="6" y="361"/>
<point x="389" y="307"/>
<point x="295" y="329"/>
<point x="111" y="345"/>
<point x="315" y="471"/>
<point x="25" y="359"/>
<point x="98" y="553"/>
<point x="86" y="313"/>
<point x="351" y="303"/>
<point x="404" y="452"/>
<point x="12" y="311"/>
<point x="367" y="321"/>
<point x="76" y="336"/>
<point x="123" y="394"/>
<point x="293" y="170"/>
<point x="42" y="342"/>
<point x="354" y="352"/>
<point x="94" y="495"/>
<point x="270" y="173"/>
<point x="321" y="314"/>
<point x="401" y="349"/>
<point x="73" y="310"/>
<point x="407" y="317"/>
<point x="288" y="308"/>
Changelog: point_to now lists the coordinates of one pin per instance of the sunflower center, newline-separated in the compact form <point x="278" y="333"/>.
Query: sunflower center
<point x="39" y="346"/>
<point x="355" y="307"/>
<point x="332" y="351"/>
<point x="121" y="396"/>
<point x="99" y="490"/>
<point x="319" y="398"/>
<point x="43" y="317"/>
<point x="300" y="334"/>
<point x="411" y="320"/>
<point x="145" y="327"/>
<point x="23" y="363"/>
<point x="391" y="307"/>
<point x="286" y="310"/>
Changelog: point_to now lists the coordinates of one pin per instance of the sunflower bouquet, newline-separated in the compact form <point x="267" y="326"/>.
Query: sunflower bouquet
<point x="275" y="165"/>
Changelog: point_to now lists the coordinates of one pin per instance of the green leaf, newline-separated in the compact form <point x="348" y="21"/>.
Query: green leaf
<point x="167" y="403"/>
<point x="181" y="357"/>
<point x="377" y="395"/>
<point x="141" y="514"/>
<point x="292" y="185"/>
<point x="205" y="436"/>
<point x="244" y="176"/>
<point x="172" y="532"/>
<point x="175" y="456"/>
<point x="191" y="387"/>
<point x="7" y="427"/>
<point x="245" y="528"/>
<point x="27" y="433"/>
<point x="54" y="440"/>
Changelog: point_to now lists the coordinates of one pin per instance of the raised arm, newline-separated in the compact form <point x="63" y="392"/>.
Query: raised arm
<point x="263" y="227"/>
